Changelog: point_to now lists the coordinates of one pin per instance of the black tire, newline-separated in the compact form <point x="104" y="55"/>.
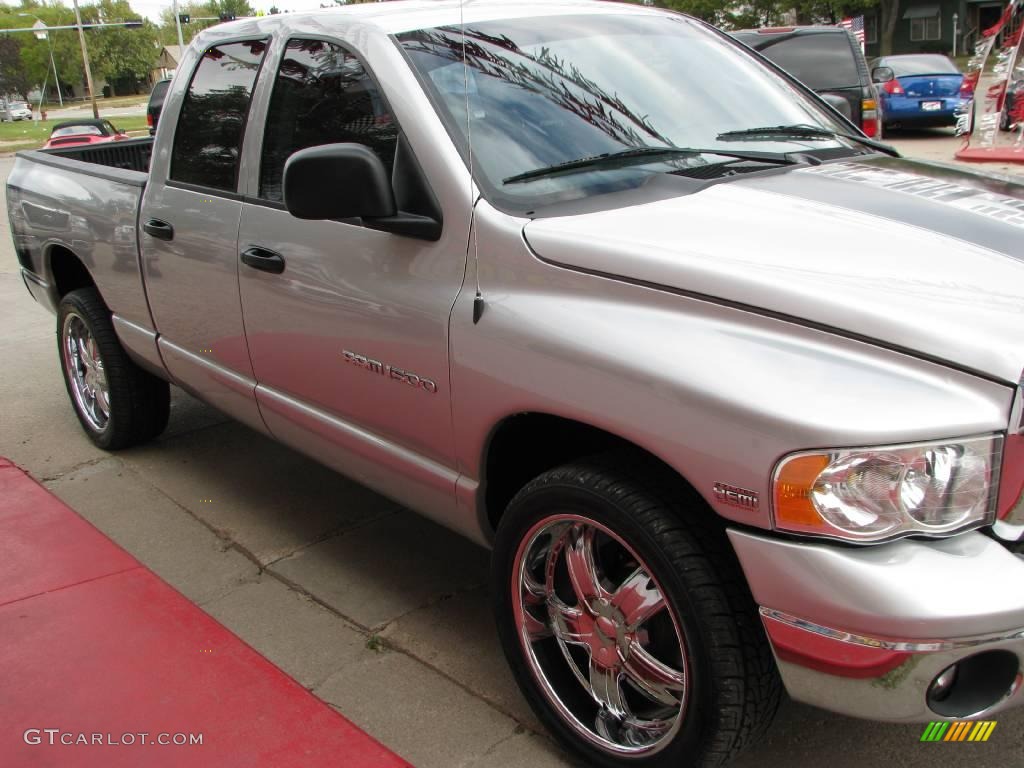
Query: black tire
<point x="138" y="404"/>
<point x="733" y="683"/>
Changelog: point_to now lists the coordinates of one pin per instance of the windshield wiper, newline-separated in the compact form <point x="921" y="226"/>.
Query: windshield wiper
<point x="637" y="156"/>
<point x="803" y="131"/>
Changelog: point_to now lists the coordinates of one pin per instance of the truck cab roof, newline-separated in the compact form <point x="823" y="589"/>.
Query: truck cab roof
<point x="405" y="15"/>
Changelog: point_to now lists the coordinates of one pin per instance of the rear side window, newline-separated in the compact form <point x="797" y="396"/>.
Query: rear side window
<point x="156" y="97"/>
<point x="820" y="62"/>
<point x="925" y="64"/>
<point x="208" y="139"/>
<point x="322" y="95"/>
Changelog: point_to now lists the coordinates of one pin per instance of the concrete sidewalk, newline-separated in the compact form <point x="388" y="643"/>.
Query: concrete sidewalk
<point x="103" y="662"/>
<point x="381" y="614"/>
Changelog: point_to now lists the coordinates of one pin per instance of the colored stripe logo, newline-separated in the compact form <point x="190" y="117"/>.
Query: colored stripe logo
<point x="959" y="730"/>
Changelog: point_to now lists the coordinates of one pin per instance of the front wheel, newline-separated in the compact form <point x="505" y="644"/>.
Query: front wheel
<point x="117" y="403"/>
<point x="627" y="622"/>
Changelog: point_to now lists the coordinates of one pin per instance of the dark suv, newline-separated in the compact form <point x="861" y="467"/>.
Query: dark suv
<point x="156" y="104"/>
<point x="828" y="60"/>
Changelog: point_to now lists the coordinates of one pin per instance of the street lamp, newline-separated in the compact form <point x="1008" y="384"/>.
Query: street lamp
<point x="43" y="34"/>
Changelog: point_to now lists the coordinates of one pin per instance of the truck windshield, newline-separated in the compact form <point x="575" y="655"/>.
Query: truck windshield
<point x="536" y="93"/>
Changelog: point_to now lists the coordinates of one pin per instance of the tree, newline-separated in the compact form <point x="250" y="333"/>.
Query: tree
<point x="888" y="15"/>
<point x="120" y="53"/>
<point x="830" y="11"/>
<point x="202" y="15"/>
<point x="236" y="8"/>
<point x="13" y="78"/>
<point x="35" y="54"/>
<point x="740" y="14"/>
<point x="712" y="11"/>
<point x="758" y="13"/>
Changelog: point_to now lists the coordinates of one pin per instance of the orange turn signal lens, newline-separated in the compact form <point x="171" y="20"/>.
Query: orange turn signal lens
<point x="793" y="485"/>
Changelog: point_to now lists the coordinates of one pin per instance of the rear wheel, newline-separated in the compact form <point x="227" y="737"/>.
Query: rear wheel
<point x="117" y="403"/>
<point x="630" y="632"/>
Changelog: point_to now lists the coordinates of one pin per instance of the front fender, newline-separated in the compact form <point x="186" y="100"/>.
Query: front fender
<point x="718" y="393"/>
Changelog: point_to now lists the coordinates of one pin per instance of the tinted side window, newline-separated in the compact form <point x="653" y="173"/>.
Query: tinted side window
<point x="156" y="96"/>
<point x="208" y="139"/>
<point x="818" y="61"/>
<point x="322" y="95"/>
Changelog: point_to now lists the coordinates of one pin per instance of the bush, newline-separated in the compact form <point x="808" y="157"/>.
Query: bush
<point x="936" y="46"/>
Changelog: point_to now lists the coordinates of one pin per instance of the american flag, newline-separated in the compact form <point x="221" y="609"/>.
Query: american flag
<point x="855" y="25"/>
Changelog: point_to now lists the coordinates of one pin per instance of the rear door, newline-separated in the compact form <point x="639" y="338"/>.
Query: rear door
<point x="189" y="230"/>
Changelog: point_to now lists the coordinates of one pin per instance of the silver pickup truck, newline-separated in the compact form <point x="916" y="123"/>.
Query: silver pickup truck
<point x="732" y="391"/>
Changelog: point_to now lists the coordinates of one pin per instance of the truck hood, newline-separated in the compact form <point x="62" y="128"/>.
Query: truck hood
<point x="915" y="256"/>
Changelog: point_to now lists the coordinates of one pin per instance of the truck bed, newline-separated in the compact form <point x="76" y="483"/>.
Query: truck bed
<point x="129" y="154"/>
<point x="82" y="203"/>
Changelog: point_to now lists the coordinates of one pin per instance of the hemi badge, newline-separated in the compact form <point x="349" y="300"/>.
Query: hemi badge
<point x="735" y="497"/>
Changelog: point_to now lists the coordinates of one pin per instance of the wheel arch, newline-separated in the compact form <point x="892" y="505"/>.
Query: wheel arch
<point x="523" y="445"/>
<point x="67" y="271"/>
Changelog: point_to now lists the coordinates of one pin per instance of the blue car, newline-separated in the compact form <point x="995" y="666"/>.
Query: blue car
<point x="919" y="90"/>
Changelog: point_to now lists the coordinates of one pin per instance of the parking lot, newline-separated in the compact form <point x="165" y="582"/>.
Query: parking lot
<point x="940" y="145"/>
<point x="383" y="615"/>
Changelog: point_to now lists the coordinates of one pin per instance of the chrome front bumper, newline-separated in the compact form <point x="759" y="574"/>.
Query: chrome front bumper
<point x="865" y="631"/>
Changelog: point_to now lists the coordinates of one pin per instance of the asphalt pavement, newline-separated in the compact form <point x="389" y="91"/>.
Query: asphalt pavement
<point x="380" y="613"/>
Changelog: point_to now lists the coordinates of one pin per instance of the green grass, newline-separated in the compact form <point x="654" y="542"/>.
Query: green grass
<point x="31" y="135"/>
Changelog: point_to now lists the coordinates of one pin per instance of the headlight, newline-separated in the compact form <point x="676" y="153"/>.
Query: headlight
<point x="871" y="494"/>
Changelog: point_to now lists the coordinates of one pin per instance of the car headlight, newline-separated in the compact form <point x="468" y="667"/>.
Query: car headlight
<point x="872" y="494"/>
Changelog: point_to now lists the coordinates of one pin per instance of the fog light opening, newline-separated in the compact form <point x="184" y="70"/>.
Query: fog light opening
<point x="974" y="685"/>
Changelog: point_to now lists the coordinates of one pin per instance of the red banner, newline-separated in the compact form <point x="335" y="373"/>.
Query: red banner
<point x="993" y="122"/>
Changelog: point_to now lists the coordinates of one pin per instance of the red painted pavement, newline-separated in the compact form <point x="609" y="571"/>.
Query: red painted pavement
<point x="1000" y="154"/>
<point x="94" y="644"/>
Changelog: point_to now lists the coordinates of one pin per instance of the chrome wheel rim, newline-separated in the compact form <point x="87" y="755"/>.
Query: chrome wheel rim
<point x="85" y="371"/>
<point x="601" y="640"/>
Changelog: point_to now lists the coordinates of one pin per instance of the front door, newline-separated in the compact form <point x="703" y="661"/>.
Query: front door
<point x="189" y="232"/>
<point x="347" y="327"/>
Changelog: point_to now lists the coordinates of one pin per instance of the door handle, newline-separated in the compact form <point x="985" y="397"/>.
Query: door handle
<point x="161" y="230"/>
<point x="263" y="259"/>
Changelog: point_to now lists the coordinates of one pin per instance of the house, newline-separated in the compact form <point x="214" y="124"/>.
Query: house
<point x="927" y="26"/>
<point x="166" y="62"/>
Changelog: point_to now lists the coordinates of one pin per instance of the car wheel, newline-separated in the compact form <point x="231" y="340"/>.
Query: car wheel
<point x="627" y="622"/>
<point x="118" y="403"/>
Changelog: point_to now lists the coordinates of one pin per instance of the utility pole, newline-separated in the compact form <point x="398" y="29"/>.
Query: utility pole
<point x="85" y="60"/>
<point x="177" y="23"/>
